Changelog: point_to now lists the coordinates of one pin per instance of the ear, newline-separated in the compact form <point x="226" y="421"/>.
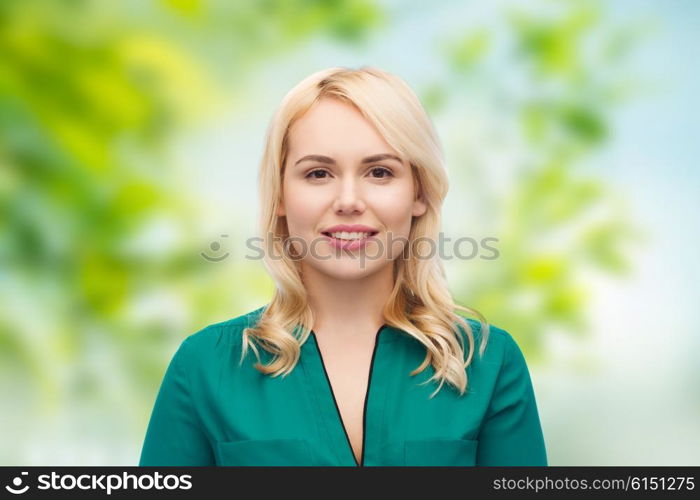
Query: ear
<point x="419" y="206"/>
<point x="280" y="212"/>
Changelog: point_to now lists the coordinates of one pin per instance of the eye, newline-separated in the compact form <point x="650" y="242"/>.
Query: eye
<point x="311" y="175"/>
<point x="382" y="169"/>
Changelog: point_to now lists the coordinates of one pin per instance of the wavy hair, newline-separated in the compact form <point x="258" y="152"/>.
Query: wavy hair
<point x="420" y="303"/>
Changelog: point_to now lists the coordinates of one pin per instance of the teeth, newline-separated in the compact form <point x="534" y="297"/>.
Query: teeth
<point x="350" y="236"/>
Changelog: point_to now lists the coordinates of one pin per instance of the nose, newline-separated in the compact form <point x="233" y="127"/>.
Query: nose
<point x="349" y="198"/>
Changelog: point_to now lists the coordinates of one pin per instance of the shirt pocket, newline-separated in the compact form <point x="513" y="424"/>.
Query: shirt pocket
<point x="440" y="452"/>
<point x="264" y="452"/>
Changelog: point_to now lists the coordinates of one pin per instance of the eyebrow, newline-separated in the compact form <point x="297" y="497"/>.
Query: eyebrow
<point x="331" y="161"/>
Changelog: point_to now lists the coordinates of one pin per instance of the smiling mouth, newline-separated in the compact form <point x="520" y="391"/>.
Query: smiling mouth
<point x="351" y="236"/>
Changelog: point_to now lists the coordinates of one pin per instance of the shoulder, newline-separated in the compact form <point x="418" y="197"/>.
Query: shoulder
<point x="223" y="334"/>
<point x="501" y="346"/>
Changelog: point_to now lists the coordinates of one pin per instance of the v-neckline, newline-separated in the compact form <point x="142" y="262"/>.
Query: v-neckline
<point x="367" y="391"/>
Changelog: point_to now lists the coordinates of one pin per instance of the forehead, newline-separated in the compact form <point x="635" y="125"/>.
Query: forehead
<point x="334" y="127"/>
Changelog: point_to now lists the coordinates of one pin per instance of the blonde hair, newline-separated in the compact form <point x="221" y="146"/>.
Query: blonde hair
<point x="420" y="303"/>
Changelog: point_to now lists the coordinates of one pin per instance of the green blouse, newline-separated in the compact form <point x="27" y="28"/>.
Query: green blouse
<point x="212" y="411"/>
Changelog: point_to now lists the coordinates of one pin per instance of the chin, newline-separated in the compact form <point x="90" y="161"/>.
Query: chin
<point x="350" y="270"/>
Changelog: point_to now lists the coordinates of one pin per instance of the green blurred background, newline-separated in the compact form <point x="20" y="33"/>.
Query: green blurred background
<point x="130" y="136"/>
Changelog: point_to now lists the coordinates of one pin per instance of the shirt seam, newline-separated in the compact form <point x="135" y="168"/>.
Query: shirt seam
<point x="506" y="358"/>
<point x="193" y="407"/>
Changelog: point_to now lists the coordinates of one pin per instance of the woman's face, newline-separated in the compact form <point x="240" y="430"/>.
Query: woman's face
<point x="331" y="179"/>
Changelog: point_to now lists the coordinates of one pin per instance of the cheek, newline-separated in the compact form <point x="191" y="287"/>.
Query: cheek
<point x="303" y="209"/>
<point x="396" y="210"/>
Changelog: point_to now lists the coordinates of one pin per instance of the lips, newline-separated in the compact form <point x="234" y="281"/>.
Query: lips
<point x="349" y="241"/>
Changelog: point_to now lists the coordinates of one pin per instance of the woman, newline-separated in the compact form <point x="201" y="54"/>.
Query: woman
<point x="360" y="358"/>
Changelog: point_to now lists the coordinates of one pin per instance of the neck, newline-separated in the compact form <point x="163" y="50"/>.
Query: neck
<point x="348" y="307"/>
